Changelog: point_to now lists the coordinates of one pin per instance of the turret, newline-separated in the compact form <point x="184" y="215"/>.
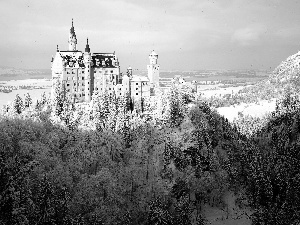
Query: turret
<point x="72" y="39"/>
<point x="87" y="47"/>
<point x="87" y="72"/>
<point x="153" y="58"/>
<point x="153" y="70"/>
<point x="129" y="72"/>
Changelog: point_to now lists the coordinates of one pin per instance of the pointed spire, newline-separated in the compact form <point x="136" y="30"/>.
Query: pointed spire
<point x="72" y="30"/>
<point x="87" y="47"/>
<point x="72" y="38"/>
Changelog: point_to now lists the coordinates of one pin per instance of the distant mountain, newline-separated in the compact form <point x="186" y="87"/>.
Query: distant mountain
<point x="288" y="71"/>
<point x="285" y="77"/>
<point x="10" y="73"/>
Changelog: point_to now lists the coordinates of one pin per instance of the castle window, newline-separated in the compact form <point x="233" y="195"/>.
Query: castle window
<point x="83" y="95"/>
<point x="137" y="83"/>
<point x="96" y="89"/>
<point x="120" y="93"/>
<point x="137" y="94"/>
<point x="120" y="89"/>
<point x="109" y="88"/>
<point x="82" y="78"/>
<point x="68" y="84"/>
<point x="137" y="89"/>
<point x="111" y="71"/>
<point x="88" y="82"/>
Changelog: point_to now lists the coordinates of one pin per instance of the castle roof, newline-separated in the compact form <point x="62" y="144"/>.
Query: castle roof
<point x="104" y="60"/>
<point x="72" y="58"/>
<point x="153" y="53"/>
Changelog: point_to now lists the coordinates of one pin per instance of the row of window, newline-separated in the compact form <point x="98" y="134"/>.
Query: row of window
<point x="73" y="78"/>
<point x="77" y="84"/>
<point x="100" y="71"/>
<point x="143" y="83"/>
<point x="73" y="72"/>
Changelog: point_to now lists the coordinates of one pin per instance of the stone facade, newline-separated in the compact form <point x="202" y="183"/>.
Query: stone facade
<point x="83" y="73"/>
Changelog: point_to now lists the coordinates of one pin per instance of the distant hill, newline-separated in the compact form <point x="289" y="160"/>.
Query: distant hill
<point x="285" y="77"/>
<point x="287" y="69"/>
<point x="9" y="73"/>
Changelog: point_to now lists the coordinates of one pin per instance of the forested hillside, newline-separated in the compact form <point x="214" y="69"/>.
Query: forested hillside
<point x="285" y="77"/>
<point x="160" y="163"/>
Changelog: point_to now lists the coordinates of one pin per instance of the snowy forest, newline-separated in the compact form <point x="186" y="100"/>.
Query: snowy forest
<point x="108" y="162"/>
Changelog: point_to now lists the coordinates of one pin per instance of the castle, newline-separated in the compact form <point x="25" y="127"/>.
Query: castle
<point x="83" y="73"/>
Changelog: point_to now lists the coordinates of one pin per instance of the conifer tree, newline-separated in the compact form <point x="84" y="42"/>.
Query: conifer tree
<point x="18" y="104"/>
<point x="176" y="113"/>
<point x="105" y="104"/>
<point x="58" y="98"/>
<point x="43" y="98"/>
<point x="28" y="101"/>
<point x="112" y="115"/>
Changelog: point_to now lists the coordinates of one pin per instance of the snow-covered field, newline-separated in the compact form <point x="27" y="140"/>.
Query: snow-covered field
<point x="220" y="91"/>
<point x="252" y="109"/>
<point x="34" y="93"/>
<point x="231" y="112"/>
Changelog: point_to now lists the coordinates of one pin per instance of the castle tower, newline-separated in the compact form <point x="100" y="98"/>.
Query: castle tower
<point x="87" y="72"/>
<point x="153" y="70"/>
<point x="129" y="72"/>
<point x="72" y="39"/>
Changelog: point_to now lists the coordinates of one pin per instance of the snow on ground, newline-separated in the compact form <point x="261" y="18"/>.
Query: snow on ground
<point x="230" y="113"/>
<point x="252" y="109"/>
<point x="35" y="94"/>
<point x="31" y="82"/>
<point x="221" y="91"/>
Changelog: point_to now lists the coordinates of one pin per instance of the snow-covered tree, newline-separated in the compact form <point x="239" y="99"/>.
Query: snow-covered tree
<point x="18" y="104"/>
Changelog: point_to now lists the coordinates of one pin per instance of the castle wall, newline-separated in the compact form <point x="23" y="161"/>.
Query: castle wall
<point x="83" y="73"/>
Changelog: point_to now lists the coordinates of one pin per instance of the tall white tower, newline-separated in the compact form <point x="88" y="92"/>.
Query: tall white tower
<point x="72" y="39"/>
<point x="153" y="70"/>
<point x="87" y="72"/>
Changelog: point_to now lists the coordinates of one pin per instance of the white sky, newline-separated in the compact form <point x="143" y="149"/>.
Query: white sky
<point x="187" y="34"/>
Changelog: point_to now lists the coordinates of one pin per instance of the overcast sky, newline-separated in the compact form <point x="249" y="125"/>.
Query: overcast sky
<point x="186" y="34"/>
